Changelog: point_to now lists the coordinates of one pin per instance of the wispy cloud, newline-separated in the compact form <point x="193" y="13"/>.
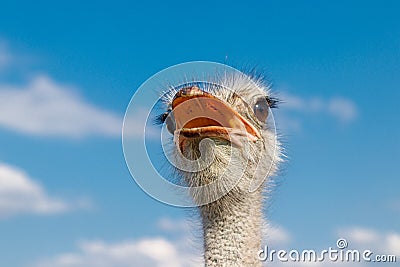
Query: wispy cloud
<point x="44" y="107"/>
<point x="295" y="107"/>
<point x="20" y="194"/>
<point x="343" y="109"/>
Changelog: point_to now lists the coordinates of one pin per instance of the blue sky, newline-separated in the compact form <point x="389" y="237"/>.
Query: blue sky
<point x="68" y="71"/>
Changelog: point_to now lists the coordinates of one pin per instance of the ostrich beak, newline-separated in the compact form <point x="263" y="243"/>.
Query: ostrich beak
<point x="199" y="114"/>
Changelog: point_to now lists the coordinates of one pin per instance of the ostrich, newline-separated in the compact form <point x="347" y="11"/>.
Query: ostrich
<point x="222" y="134"/>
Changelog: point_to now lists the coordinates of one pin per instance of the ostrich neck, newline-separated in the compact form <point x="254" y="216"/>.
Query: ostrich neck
<point x="232" y="230"/>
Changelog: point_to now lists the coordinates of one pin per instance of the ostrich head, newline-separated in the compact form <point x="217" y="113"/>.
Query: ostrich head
<point x="225" y="149"/>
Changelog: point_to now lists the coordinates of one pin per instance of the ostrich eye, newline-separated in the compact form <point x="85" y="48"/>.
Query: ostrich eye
<point x="170" y="122"/>
<point x="261" y="109"/>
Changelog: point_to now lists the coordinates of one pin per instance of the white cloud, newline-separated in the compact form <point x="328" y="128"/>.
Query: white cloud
<point x="342" y="109"/>
<point x="361" y="235"/>
<point x="20" y="194"/>
<point x="157" y="252"/>
<point x="147" y="251"/>
<point x="44" y="107"/>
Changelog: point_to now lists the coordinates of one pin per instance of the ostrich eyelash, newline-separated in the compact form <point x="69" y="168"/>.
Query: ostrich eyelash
<point x="272" y="102"/>
<point x="160" y="119"/>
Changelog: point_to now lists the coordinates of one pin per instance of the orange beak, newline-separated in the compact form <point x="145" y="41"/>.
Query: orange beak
<point x="200" y="114"/>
